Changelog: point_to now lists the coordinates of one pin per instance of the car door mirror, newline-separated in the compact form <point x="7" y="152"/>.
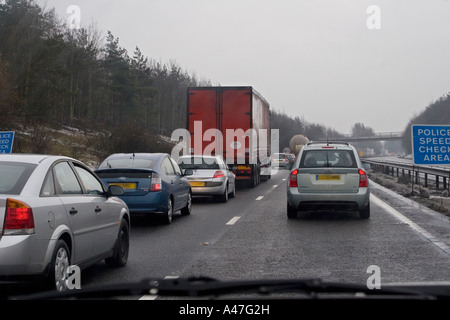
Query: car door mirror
<point x="114" y="191"/>
<point x="188" y="172"/>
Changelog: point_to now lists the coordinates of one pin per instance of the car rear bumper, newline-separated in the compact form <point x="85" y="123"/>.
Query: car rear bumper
<point x="328" y="201"/>
<point x="22" y="255"/>
<point x="152" y="202"/>
<point x="216" y="190"/>
<point x="279" y="164"/>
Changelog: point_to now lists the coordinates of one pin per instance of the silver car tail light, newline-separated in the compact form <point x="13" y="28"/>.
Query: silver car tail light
<point x="363" y="181"/>
<point x="293" y="179"/>
<point x="18" y="218"/>
<point x="218" y="174"/>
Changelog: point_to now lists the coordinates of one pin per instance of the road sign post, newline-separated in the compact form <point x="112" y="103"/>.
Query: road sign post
<point x="6" y="141"/>
<point x="431" y="144"/>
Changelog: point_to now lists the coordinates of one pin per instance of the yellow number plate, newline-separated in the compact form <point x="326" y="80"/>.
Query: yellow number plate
<point x="127" y="186"/>
<point x="328" y="177"/>
<point x="197" y="184"/>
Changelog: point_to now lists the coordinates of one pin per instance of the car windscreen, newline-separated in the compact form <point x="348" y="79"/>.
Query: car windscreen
<point x="14" y="175"/>
<point x="122" y="163"/>
<point x="198" y="163"/>
<point x="328" y="158"/>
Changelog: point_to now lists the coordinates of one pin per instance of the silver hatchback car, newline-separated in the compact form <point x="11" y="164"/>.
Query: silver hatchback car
<point x="56" y="213"/>
<point x="210" y="176"/>
<point x="328" y="176"/>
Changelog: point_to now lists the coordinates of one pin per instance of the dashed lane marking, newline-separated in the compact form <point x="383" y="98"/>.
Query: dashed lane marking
<point x="233" y="221"/>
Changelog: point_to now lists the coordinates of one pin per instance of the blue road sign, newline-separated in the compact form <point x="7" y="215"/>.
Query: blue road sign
<point x="6" y="141"/>
<point x="431" y="144"/>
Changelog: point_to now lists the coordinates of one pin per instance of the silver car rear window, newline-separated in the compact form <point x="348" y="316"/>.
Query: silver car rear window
<point x="13" y="176"/>
<point x="328" y="158"/>
<point x="280" y="156"/>
<point x="198" y="163"/>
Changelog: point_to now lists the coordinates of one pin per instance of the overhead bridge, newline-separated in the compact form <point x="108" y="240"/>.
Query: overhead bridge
<point x="383" y="136"/>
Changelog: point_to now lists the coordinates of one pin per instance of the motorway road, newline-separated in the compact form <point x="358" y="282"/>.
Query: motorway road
<point x="250" y="237"/>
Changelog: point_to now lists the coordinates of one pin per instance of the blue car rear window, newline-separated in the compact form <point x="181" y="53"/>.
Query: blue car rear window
<point x="131" y="162"/>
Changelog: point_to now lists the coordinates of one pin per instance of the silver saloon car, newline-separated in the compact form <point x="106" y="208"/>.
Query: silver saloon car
<point x="328" y="176"/>
<point x="56" y="213"/>
<point x="210" y="176"/>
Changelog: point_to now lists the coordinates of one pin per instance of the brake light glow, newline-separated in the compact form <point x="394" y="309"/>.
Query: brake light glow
<point x="293" y="179"/>
<point x="219" y="174"/>
<point x="18" y="218"/>
<point x="156" y="182"/>
<point x="363" y="181"/>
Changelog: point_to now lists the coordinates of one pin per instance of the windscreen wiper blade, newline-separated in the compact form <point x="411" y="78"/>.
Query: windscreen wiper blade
<point x="210" y="287"/>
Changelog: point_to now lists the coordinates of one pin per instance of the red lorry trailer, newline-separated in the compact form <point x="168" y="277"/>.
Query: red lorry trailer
<point x="235" y="123"/>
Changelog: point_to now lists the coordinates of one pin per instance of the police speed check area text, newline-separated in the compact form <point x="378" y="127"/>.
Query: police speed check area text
<point x="431" y="144"/>
<point x="6" y="141"/>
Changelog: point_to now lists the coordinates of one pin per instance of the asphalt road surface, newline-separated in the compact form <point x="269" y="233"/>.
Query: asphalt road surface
<point x="250" y="237"/>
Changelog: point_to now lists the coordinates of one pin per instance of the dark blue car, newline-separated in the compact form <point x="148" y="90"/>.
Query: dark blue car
<point x="153" y="183"/>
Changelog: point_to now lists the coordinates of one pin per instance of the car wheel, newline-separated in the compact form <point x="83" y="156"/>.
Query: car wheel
<point x="291" y="212"/>
<point x="187" y="210"/>
<point x="365" y="213"/>
<point x="233" y="193"/>
<point x="169" y="212"/>
<point x="121" y="248"/>
<point x="58" y="267"/>
<point x="224" y="197"/>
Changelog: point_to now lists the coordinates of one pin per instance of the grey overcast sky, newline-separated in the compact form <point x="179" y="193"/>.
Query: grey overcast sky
<point x="333" y="62"/>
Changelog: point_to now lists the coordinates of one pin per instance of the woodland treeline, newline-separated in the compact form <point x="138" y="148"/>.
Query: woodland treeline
<point x="437" y="112"/>
<point x="51" y="74"/>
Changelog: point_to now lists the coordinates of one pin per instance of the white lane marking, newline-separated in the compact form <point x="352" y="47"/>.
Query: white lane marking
<point x="259" y="198"/>
<point x="274" y="186"/>
<point x="284" y="179"/>
<point x="154" y="296"/>
<point x="441" y="245"/>
<point x="233" y="221"/>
